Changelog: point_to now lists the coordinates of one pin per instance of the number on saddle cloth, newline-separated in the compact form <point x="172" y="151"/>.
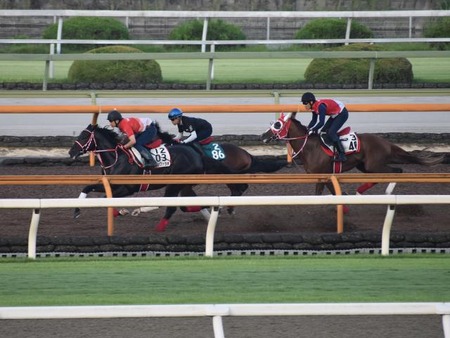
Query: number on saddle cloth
<point x="161" y="155"/>
<point x="349" y="140"/>
<point x="214" y="150"/>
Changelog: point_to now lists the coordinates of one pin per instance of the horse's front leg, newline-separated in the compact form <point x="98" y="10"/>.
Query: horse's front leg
<point x="319" y="188"/>
<point x="86" y="190"/>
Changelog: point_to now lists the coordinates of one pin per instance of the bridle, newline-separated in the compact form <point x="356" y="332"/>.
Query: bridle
<point x="280" y="130"/>
<point x="91" y="145"/>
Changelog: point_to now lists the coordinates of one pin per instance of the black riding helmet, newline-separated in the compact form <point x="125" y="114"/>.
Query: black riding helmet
<point x="114" y="115"/>
<point x="308" y="97"/>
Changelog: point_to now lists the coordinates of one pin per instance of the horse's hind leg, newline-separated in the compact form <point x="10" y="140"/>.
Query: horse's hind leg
<point x="374" y="169"/>
<point x="172" y="190"/>
<point x="236" y="190"/>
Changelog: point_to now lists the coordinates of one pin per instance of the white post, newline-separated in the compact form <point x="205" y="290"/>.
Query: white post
<point x="218" y="327"/>
<point x="386" y="234"/>
<point x="32" y="234"/>
<point x="446" y="325"/>
<point x="204" y="34"/>
<point x="347" y="32"/>
<point x="209" y="246"/>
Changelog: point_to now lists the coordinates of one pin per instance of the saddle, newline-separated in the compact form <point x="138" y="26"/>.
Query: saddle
<point x="350" y="141"/>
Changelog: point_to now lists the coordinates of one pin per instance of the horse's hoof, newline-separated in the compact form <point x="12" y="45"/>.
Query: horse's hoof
<point x="193" y="208"/>
<point x="76" y="213"/>
<point x="162" y="225"/>
<point x="124" y="212"/>
<point x="231" y="211"/>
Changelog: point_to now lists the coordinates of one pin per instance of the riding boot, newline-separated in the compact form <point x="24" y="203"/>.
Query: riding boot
<point x="341" y="153"/>
<point x="197" y="147"/>
<point x="149" y="161"/>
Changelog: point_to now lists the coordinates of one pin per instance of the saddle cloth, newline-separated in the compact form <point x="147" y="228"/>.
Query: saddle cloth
<point x="160" y="154"/>
<point x="350" y="141"/>
<point x="213" y="149"/>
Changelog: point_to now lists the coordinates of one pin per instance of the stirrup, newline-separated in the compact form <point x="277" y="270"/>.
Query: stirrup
<point x="340" y="158"/>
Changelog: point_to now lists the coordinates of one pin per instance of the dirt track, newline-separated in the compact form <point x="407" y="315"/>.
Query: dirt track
<point x="277" y="219"/>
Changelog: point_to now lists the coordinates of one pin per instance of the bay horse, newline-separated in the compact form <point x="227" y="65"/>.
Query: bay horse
<point x="114" y="159"/>
<point x="368" y="153"/>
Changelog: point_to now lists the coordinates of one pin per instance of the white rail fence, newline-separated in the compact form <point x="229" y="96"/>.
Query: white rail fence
<point x="216" y="202"/>
<point x="217" y="311"/>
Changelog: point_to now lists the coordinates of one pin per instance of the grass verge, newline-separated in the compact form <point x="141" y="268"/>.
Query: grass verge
<point x="413" y="278"/>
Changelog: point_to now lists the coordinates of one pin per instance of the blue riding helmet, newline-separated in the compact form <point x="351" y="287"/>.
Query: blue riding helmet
<point x="175" y="113"/>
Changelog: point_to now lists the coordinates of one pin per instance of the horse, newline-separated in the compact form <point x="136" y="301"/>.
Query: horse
<point x="116" y="160"/>
<point x="368" y="153"/>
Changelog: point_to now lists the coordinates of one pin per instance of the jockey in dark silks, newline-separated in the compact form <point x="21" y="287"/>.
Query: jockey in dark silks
<point x="140" y="131"/>
<point x="337" y="113"/>
<point x="197" y="128"/>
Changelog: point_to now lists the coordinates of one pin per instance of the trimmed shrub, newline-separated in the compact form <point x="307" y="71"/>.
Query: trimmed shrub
<point x="356" y="71"/>
<point x="217" y="30"/>
<point x="128" y="71"/>
<point x="88" y="28"/>
<point x="438" y="29"/>
<point x="332" y="29"/>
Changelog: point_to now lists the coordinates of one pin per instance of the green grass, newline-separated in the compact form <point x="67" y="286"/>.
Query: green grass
<point x="225" y="71"/>
<point x="104" y="281"/>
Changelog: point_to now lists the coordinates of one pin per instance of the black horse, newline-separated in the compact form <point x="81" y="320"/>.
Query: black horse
<point x="116" y="160"/>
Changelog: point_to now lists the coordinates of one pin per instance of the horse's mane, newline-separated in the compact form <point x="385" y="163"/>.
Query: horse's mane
<point x="109" y="134"/>
<point x="298" y="123"/>
<point x="164" y="135"/>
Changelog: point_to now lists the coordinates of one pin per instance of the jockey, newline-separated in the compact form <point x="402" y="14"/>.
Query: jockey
<point x="140" y="131"/>
<point x="197" y="128"/>
<point x="337" y="113"/>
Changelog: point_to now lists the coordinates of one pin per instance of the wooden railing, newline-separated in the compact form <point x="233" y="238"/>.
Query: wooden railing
<point x="216" y="202"/>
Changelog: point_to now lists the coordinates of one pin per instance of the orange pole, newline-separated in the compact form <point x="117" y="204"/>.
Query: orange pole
<point x="340" y="207"/>
<point x="250" y="108"/>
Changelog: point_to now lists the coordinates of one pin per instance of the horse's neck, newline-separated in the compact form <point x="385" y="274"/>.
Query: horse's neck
<point x="109" y="155"/>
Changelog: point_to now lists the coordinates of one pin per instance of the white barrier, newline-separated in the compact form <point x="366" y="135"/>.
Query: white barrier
<point x="217" y="311"/>
<point x="215" y="202"/>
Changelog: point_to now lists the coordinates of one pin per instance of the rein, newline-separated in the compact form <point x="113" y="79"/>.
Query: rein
<point x="98" y="152"/>
<point x="305" y="138"/>
<point x="282" y="133"/>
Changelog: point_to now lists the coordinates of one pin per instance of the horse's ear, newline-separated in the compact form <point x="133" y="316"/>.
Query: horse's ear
<point x="293" y="114"/>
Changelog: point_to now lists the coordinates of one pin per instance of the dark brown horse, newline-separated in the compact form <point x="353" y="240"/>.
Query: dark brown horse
<point x="368" y="153"/>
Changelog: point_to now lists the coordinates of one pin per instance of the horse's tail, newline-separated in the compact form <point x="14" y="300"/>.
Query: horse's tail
<point x="260" y="165"/>
<point x="423" y="157"/>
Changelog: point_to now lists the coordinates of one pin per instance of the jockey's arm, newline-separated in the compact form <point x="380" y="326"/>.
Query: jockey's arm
<point x="178" y="136"/>
<point x="320" y="118"/>
<point x="191" y="137"/>
<point x="131" y="142"/>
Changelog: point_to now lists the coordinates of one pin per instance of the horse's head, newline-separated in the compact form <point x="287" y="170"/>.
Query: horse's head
<point x="279" y="129"/>
<point x="84" y="142"/>
<point x="93" y="138"/>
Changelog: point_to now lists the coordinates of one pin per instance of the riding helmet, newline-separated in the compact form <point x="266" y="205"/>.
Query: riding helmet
<point x="308" y="97"/>
<point x="175" y="113"/>
<point x="114" y="115"/>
